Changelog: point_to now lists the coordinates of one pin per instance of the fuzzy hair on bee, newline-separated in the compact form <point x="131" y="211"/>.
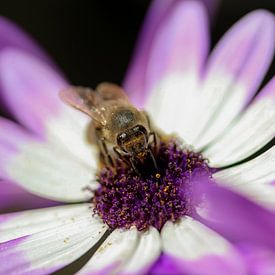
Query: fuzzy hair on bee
<point x="120" y="129"/>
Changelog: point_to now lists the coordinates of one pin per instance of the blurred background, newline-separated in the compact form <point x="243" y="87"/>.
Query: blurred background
<point x="92" y="40"/>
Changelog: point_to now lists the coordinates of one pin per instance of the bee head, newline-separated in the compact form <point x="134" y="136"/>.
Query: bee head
<point x="134" y="140"/>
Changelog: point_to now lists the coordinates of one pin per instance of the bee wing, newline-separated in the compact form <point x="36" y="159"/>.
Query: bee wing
<point x="109" y="91"/>
<point x="84" y="99"/>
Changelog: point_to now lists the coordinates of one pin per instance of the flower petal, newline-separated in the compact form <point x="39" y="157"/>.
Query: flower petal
<point x="259" y="259"/>
<point x="28" y="222"/>
<point x="30" y="88"/>
<point x="235" y="70"/>
<point x="43" y="168"/>
<point x="126" y="252"/>
<point x="12" y="36"/>
<point x="14" y="197"/>
<point x="134" y="82"/>
<point x="196" y="249"/>
<point x="174" y="67"/>
<point x="253" y="178"/>
<point x="47" y="239"/>
<point x="147" y="251"/>
<point x="234" y="216"/>
<point x="249" y="133"/>
<point x="175" y="49"/>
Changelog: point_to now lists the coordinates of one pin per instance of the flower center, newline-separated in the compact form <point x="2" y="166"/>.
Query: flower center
<point x="125" y="199"/>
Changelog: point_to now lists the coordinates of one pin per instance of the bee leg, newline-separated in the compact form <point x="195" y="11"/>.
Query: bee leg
<point x="119" y="154"/>
<point x="124" y="156"/>
<point x="153" y="151"/>
<point x="133" y="165"/>
<point x="103" y="148"/>
<point x="117" y="151"/>
<point x="153" y="159"/>
<point x="155" y="141"/>
<point x="105" y="152"/>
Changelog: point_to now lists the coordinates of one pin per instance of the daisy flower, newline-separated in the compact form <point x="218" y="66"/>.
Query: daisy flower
<point x="174" y="220"/>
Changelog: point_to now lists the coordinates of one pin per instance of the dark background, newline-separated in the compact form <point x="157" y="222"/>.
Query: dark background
<point x="92" y="40"/>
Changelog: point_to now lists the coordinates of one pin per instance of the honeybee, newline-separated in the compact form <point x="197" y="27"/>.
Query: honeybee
<point x="120" y="130"/>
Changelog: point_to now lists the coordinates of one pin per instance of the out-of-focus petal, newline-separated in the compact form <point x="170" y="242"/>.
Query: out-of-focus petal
<point x="30" y="88"/>
<point x="253" y="178"/>
<point x="174" y="66"/>
<point x="42" y="241"/>
<point x="234" y="216"/>
<point x="196" y="249"/>
<point x="259" y="259"/>
<point x="134" y="82"/>
<point x="11" y="36"/>
<point x="13" y="197"/>
<point x="234" y="72"/>
<point x="125" y="252"/>
<point x="208" y="265"/>
<point x="176" y="49"/>
<point x="43" y="168"/>
<point x="249" y="133"/>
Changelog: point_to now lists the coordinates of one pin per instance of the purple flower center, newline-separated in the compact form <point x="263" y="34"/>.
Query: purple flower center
<point x="125" y="199"/>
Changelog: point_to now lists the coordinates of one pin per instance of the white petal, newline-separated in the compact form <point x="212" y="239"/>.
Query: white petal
<point x="44" y="168"/>
<point x="174" y="103"/>
<point x="235" y="70"/>
<point x="253" y="178"/>
<point x="251" y="133"/>
<point x="148" y="250"/>
<point x="191" y="244"/>
<point x="28" y="222"/>
<point x="248" y="134"/>
<point x="123" y="251"/>
<point x="56" y="240"/>
<point x="190" y="240"/>
<point x="52" y="172"/>
<point x="69" y="131"/>
<point x="177" y="57"/>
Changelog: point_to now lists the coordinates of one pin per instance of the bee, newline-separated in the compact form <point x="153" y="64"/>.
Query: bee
<point x="120" y="130"/>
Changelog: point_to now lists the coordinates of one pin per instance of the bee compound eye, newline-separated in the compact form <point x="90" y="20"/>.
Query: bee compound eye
<point x="121" y="137"/>
<point x="140" y="128"/>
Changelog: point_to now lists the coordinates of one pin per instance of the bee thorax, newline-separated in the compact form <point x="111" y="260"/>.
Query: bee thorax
<point x="122" y="119"/>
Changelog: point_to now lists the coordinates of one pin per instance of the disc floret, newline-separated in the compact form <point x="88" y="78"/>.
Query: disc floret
<point x="125" y="199"/>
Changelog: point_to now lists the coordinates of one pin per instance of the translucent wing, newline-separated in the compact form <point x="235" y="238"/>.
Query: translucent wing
<point x="109" y="91"/>
<point x="95" y="104"/>
<point x="85" y="100"/>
